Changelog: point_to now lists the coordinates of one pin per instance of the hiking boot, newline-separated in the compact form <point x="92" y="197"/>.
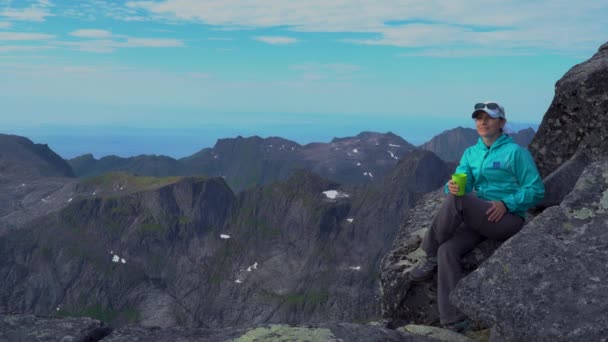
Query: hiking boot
<point x="424" y="270"/>
<point x="459" y="327"/>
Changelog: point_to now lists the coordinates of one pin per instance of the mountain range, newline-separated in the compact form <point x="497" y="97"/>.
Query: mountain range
<point x="245" y="162"/>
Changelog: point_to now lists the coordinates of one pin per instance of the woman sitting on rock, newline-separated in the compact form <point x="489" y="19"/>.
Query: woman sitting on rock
<point x="502" y="183"/>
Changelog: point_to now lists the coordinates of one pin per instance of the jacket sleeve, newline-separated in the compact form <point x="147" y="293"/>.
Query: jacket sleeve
<point x="531" y="188"/>
<point x="463" y="167"/>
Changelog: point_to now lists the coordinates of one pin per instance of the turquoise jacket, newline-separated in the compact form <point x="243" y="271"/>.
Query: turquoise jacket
<point x="504" y="172"/>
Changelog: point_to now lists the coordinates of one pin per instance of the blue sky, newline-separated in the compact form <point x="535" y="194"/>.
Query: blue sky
<point x="186" y="63"/>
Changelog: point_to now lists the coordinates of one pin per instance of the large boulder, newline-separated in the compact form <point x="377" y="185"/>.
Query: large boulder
<point x="577" y="119"/>
<point x="549" y="282"/>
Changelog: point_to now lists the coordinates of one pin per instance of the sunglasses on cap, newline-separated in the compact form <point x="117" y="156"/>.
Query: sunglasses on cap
<point x="491" y="106"/>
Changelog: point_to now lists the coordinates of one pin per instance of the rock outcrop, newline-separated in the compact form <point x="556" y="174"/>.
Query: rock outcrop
<point x="577" y="119"/>
<point x="17" y="328"/>
<point x="549" y="282"/>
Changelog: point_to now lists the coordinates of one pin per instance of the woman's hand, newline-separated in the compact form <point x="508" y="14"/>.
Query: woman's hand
<point x="453" y="187"/>
<point x="497" y="211"/>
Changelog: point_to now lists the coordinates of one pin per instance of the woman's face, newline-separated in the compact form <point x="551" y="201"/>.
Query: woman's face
<point x="487" y="126"/>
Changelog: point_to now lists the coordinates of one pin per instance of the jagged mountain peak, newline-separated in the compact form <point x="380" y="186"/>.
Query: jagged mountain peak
<point x="372" y="138"/>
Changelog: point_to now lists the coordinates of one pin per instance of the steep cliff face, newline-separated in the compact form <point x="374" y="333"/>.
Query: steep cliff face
<point x="116" y="257"/>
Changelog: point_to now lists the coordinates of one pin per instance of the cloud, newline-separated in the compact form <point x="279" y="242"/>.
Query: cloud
<point x="5" y="24"/>
<point x="151" y="42"/>
<point x="119" y="42"/>
<point x="91" y="33"/>
<point x="19" y="36"/>
<point x="34" y="13"/>
<point x="18" y="48"/>
<point x="408" y="23"/>
<point x="103" y="41"/>
<point x="276" y="40"/>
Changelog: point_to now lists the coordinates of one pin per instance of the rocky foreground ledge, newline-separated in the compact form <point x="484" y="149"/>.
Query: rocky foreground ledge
<point x="30" y="328"/>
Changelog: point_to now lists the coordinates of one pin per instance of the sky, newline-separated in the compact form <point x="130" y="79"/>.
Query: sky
<point x="285" y="67"/>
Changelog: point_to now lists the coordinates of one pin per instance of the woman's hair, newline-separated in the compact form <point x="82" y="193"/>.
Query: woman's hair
<point x="504" y="129"/>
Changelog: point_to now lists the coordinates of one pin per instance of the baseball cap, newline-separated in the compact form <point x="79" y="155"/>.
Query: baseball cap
<point x="492" y="108"/>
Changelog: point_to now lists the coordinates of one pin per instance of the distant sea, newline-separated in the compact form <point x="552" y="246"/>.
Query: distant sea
<point x="70" y="141"/>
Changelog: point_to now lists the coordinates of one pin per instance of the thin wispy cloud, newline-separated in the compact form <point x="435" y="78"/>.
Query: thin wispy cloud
<point x="91" y="33"/>
<point x="21" y="36"/>
<point x="440" y="22"/>
<point x="5" y="24"/>
<point x="22" y="48"/>
<point x="276" y="40"/>
<point x="151" y="42"/>
<point x="37" y="11"/>
<point x="114" y="42"/>
<point x="103" y="41"/>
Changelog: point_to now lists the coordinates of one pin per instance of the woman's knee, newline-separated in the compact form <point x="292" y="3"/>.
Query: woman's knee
<point x="447" y="250"/>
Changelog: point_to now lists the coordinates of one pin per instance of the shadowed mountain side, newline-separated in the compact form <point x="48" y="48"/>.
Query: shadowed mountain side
<point x="365" y="158"/>
<point x="450" y="144"/>
<point x="115" y="257"/>
<point x="246" y="162"/>
<point x="21" y="158"/>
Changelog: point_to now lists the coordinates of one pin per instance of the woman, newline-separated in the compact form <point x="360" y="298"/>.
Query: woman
<point x="502" y="183"/>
